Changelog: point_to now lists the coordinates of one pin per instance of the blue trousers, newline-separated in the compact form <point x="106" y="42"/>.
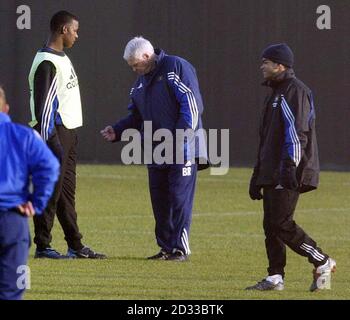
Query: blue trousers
<point x="172" y="191"/>
<point x="14" y="249"/>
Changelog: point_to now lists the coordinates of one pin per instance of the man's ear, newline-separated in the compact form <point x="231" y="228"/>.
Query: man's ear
<point x="281" y="67"/>
<point x="145" y="56"/>
<point x="64" y="30"/>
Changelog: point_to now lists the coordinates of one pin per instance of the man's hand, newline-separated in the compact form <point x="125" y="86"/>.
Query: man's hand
<point x="27" y="209"/>
<point x="254" y="190"/>
<point x="108" y="134"/>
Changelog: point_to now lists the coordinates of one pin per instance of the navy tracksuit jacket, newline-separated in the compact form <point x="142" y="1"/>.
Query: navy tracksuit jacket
<point x="23" y="155"/>
<point x="170" y="98"/>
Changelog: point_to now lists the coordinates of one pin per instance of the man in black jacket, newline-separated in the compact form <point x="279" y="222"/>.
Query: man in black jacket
<point x="287" y="165"/>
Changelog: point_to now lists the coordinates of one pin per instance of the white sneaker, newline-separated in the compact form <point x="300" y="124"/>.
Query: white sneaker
<point x="322" y="276"/>
<point x="265" y="285"/>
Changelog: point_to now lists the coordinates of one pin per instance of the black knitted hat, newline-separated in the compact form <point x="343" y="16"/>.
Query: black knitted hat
<point x="279" y="53"/>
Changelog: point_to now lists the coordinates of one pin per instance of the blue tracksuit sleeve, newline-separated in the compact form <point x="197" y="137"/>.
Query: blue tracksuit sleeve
<point x="184" y="83"/>
<point x="43" y="167"/>
<point x="132" y="121"/>
<point x="296" y="110"/>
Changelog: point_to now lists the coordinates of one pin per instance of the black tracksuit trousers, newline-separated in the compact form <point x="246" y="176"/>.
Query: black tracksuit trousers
<point x="62" y="202"/>
<point x="281" y="230"/>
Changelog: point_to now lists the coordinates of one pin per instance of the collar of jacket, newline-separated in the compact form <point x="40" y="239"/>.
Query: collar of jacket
<point x="159" y="60"/>
<point x="280" y="79"/>
<point x="160" y="54"/>
<point x="4" y="118"/>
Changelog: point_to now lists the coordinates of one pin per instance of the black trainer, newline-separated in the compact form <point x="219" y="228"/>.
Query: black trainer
<point x="178" y="256"/>
<point x="161" y="255"/>
<point x="48" y="253"/>
<point x="265" y="285"/>
<point x="85" y="253"/>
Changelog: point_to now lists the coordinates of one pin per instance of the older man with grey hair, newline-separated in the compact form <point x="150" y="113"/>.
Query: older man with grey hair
<point x="137" y="47"/>
<point x="166" y="93"/>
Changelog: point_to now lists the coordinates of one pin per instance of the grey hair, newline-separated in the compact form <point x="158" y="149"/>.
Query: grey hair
<point x="136" y="47"/>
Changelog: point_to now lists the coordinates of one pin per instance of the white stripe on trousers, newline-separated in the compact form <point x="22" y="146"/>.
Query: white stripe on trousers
<point x="312" y="251"/>
<point x="185" y="243"/>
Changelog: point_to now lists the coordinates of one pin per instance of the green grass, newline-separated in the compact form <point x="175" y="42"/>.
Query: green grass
<point x="115" y="217"/>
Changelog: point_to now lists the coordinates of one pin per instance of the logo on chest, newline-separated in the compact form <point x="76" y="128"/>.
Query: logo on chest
<point x="73" y="80"/>
<point x="275" y="102"/>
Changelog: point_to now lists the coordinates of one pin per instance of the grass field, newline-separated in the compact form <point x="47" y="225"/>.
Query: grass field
<point x="227" y="242"/>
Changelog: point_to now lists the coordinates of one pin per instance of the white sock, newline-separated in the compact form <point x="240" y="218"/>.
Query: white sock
<point x="276" y="278"/>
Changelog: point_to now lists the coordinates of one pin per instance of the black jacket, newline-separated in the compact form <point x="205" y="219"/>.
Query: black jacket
<point x="287" y="134"/>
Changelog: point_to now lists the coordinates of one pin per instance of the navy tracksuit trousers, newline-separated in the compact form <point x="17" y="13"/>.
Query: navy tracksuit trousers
<point x="14" y="249"/>
<point x="172" y="191"/>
